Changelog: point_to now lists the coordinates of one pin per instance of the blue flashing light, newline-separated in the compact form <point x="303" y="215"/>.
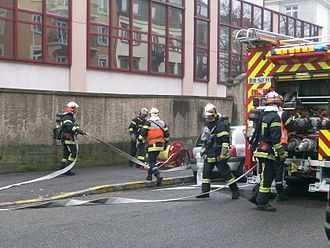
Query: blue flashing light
<point x="321" y="48"/>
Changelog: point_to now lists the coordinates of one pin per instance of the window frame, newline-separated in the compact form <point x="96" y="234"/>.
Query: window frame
<point x="199" y="48"/>
<point x="44" y="28"/>
<point x="133" y="40"/>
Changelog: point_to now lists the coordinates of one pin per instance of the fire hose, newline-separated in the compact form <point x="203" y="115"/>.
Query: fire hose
<point x="116" y="200"/>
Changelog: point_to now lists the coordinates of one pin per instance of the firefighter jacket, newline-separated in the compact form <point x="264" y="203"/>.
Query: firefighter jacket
<point x="270" y="139"/>
<point x="155" y="133"/>
<point x="69" y="128"/>
<point x="215" y="138"/>
<point x="135" y="126"/>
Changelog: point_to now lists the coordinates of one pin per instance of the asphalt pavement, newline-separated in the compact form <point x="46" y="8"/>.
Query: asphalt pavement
<point x="217" y="222"/>
<point x="84" y="178"/>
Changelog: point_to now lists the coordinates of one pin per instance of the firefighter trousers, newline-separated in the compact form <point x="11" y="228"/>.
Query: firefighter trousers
<point x="132" y="150"/>
<point x="69" y="152"/>
<point x="69" y="155"/>
<point x="153" y="169"/>
<point x="223" y="169"/>
<point x="141" y="151"/>
<point x="268" y="174"/>
<point x="279" y="176"/>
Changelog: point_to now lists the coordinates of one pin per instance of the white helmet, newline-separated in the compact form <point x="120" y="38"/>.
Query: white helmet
<point x="210" y="112"/>
<point x="154" y="112"/>
<point x="71" y="107"/>
<point x="143" y="112"/>
<point x="273" y="98"/>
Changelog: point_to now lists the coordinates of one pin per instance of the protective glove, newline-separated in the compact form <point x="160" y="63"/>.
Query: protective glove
<point x="224" y="155"/>
<point x="140" y="139"/>
<point x="280" y="153"/>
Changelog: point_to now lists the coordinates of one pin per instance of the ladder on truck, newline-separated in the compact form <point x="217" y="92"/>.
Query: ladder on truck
<point x="257" y="37"/>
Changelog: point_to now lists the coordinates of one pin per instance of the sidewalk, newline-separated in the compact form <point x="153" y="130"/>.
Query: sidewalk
<point x="114" y="178"/>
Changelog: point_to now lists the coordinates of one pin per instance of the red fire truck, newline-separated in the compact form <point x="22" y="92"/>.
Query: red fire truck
<point x="299" y="70"/>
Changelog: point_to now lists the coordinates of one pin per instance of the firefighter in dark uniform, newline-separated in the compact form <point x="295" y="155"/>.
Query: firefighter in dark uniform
<point x="215" y="138"/>
<point x="70" y="129"/>
<point x="138" y="149"/>
<point x="269" y="151"/>
<point x="156" y="135"/>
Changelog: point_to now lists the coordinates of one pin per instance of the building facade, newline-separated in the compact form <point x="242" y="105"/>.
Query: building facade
<point x="313" y="11"/>
<point x="154" y="47"/>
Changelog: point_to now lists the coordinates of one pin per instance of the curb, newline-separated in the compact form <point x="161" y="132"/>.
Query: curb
<point x="100" y="189"/>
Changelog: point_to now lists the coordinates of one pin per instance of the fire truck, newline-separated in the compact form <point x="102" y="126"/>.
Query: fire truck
<point x="299" y="70"/>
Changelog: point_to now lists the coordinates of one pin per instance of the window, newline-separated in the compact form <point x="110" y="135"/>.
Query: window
<point x="257" y="17"/>
<point x="202" y="8"/>
<point x="236" y="12"/>
<point x="224" y="7"/>
<point x="291" y="27"/>
<point x="3" y="13"/>
<point x="41" y="31"/>
<point x="36" y="52"/>
<point x="201" y="41"/>
<point x="102" y="38"/>
<point x="103" y="61"/>
<point x="102" y="7"/>
<point x="37" y="28"/>
<point x="267" y="20"/>
<point x="292" y="11"/>
<point x="2" y="50"/>
<point x="247" y="14"/>
<point x="283" y="24"/>
<point x="143" y="36"/>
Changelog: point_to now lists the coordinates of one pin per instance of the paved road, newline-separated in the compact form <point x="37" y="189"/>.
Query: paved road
<point x="217" y="222"/>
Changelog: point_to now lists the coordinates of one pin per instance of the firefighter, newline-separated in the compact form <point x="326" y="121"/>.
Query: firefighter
<point x="269" y="150"/>
<point x="70" y="129"/>
<point x="215" y="138"/>
<point x="155" y="134"/>
<point x="138" y="148"/>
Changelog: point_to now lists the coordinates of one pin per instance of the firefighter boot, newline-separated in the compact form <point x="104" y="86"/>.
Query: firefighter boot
<point x="159" y="180"/>
<point x="266" y="207"/>
<point x="263" y="202"/>
<point x="255" y="190"/>
<point x="65" y="163"/>
<point x="157" y="175"/>
<point x="234" y="191"/>
<point x="206" y="187"/>
<point x="149" y="176"/>
<point x="69" y="173"/>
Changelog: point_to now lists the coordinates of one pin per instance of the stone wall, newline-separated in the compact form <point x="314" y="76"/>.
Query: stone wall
<point x="28" y="117"/>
